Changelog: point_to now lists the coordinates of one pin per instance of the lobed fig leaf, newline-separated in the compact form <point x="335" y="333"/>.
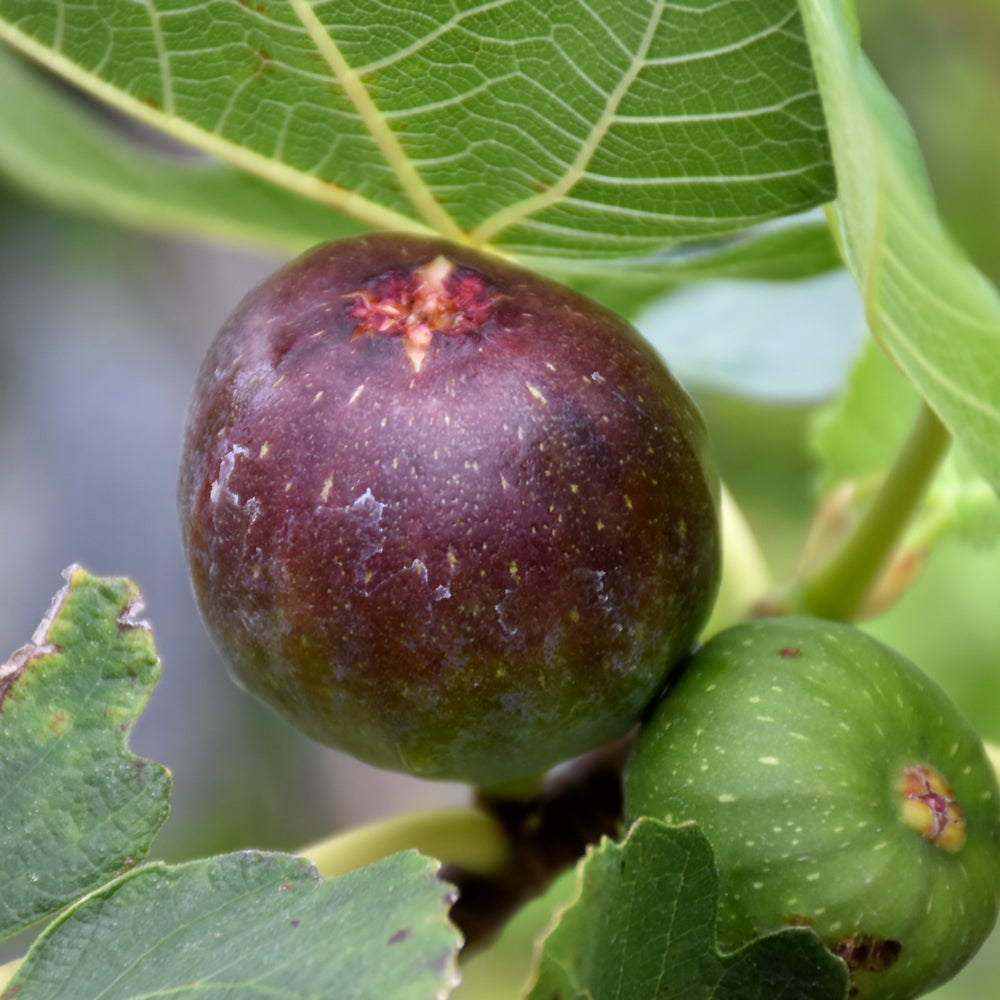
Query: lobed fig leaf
<point x="442" y="513"/>
<point x="840" y="789"/>
<point x="79" y="807"/>
<point x="642" y="926"/>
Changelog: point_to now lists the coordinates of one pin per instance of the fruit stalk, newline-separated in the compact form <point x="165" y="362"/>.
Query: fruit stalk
<point x="467" y="837"/>
<point x="9" y="971"/>
<point x="839" y="590"/>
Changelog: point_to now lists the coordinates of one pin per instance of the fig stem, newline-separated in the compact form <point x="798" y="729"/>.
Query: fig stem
<point x="993" y="753"/>
<point x="838" y="591"/>
<point x="9" y="971"/>
<point x="519" y="790"/>
<point x="466" y="837"/>
<point x="416" y="189"/>
<point x="747" y="583"/>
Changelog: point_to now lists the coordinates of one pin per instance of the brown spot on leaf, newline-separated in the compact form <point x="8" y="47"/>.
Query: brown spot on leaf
<point x="401" y="935"/>
<point x="791" y="652"/>
<point x="263" y="64"/>
<point x="295" y="923"/>
<point x="128" y="618"/>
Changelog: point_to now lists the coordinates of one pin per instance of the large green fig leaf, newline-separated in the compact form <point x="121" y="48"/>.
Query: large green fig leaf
<point x="252" y="926"/>
<point x="585" y="129"/>
<point x="935" y="315"/>
<point x="77" y="807"/>
<point x="643" y="928"/>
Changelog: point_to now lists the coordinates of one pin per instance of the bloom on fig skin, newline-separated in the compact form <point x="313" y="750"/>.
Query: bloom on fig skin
<point x="444" y="514"/>
<point x="840" y="789"/>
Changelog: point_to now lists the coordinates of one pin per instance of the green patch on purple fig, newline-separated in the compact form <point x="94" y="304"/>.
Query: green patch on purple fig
<point x="443" y="514"/>
<point x="840" y="789"/>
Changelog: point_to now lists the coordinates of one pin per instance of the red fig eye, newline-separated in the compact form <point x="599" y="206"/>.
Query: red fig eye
<point x="467" y="527"/>
<point x="928" y="806"/>
<point x="420" y="302"/>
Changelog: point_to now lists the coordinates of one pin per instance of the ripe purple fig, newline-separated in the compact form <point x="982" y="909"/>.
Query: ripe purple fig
<point x="444" y="514"/>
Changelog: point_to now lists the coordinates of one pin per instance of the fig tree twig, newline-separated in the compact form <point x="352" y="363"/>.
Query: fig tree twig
<point x="581" y="803"/>
<point x="838" y="591"/>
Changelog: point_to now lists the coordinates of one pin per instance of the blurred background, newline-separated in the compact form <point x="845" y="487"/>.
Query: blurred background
<point x="102" y="331"/>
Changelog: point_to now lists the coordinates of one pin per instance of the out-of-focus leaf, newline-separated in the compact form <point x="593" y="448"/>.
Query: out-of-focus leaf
<point x="589" y="129"/>
<point x="778" y="253"/>
<point x="787" y="342"/>
<point x="643" y="928"/>
<point x="931" y="310"/>
<point x="252" y="926"/>
<point x="76" y="808"/>
<point x="859" y="434"/>
<point x="60" y="151"/>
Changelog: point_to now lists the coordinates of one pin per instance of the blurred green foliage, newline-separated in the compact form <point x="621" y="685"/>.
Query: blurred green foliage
<point x="941" y="58"/>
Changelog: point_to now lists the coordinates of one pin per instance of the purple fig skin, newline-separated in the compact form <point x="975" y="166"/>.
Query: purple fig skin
<point x="465" y="538"/>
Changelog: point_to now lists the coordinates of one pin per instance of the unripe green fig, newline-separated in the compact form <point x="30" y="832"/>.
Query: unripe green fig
<point x="840" y="789"/>
<point x="444" y="514"/>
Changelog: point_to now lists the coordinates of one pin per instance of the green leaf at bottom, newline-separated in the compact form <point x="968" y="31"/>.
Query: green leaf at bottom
<point x="642" y="927"/>
<point x="252" y="926"/>
<point x="76" y="807"/>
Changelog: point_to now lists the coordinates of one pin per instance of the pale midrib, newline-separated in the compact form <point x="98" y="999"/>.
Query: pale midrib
<point x="300" y="183"/>
<point x="510" y="216"/>
<point x="164" y="58"/>
<point x="427" y="206"/>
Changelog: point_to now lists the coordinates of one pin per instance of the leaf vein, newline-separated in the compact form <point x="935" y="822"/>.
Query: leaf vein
<point x="722" y="50"/>
<point x="423" y="199"/>
<point x="489" y="228"/>
<point x="903" y="345"/>
<point x="167" y="94"/>
<point x="716" y="116"/>
<point x="692" y="179"/>
<point x="903" y="274"/>
<point x="442" y="29"/>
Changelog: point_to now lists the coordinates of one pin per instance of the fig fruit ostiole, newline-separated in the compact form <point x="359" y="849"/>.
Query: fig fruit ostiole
<point x="442" y="513"/>
<point x="839" y="788"/>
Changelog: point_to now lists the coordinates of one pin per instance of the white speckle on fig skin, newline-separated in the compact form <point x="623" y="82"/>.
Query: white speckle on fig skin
<point x="395" y="499"/>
